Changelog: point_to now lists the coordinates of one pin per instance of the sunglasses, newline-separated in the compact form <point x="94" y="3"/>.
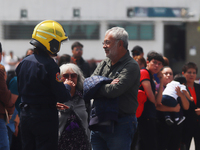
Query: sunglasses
<point x="73" y="75"/>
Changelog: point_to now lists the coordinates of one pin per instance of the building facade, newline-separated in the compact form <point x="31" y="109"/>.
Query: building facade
<point x="168" y="27"/>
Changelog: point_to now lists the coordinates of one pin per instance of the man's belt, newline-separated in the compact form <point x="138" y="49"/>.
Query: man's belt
<point x="36" y="106"/>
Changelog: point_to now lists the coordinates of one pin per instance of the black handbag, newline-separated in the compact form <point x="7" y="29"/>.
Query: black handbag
<point x="73" y="136"/>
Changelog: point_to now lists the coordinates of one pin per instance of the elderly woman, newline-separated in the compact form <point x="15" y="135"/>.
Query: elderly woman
<point x="72" y="72"/>
<point x="191" y="127"/>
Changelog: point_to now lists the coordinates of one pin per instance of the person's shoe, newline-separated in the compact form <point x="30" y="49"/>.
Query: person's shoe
<point x="181" y="120"/>
<point x="169" y="121"/>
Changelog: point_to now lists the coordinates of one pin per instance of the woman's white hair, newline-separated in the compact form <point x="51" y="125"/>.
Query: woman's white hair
<point x="75" y="69"/>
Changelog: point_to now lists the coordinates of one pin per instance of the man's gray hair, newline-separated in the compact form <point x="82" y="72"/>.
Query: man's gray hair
<point x="75" y="69"/>
<point x="119" y="34"/>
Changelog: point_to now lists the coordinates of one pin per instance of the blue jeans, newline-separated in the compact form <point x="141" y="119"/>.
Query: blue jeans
<point x="122" y="137"/>
<point x="4" y="141"/>
<point x="10" y="134"/>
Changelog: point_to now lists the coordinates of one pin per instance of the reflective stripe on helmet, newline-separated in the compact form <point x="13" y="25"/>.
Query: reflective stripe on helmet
<point x="41" y="36"/>
<point x="46" y="33"/>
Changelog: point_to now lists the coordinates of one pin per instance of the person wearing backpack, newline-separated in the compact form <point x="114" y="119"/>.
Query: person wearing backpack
<point x="147" y="120"/>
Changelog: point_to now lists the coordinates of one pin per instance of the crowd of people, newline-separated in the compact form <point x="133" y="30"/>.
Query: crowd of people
<point x="64" y="102"/>
<point x="171" y="114"/>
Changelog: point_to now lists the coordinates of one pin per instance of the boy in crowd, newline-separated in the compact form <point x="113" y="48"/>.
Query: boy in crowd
<point x="147" y="121"/>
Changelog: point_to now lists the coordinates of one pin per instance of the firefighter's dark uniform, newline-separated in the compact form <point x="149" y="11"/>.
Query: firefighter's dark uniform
<point x="40" y="88"/>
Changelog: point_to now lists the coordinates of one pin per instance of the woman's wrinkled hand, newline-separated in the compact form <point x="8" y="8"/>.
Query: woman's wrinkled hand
<point x="62" y="106"/>
<point x="70" y="83"/>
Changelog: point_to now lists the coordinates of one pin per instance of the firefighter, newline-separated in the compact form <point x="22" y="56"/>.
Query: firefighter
<point x="40" y="87"/>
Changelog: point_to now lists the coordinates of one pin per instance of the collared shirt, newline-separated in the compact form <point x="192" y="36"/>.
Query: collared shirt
<point x="193" y="93"/>
<point x="39" y="81"/>
<point x="128" y="73"/>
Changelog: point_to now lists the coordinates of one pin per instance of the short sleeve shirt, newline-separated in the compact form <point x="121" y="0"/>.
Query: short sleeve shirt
<point x="144" y="75"/>
<point x="170" y="89"/>
<point x="149" y="107"/>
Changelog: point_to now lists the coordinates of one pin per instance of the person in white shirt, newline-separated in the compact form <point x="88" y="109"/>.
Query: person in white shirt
<point x="173" y="90"/>
<point x="11" y="60"/>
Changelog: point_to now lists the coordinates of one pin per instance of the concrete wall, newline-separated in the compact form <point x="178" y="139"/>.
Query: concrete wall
<point x="193" y="39"/>
<point x="90" y="9"/>
<point x="92" y="48"/>
<point x="102" y="11"/>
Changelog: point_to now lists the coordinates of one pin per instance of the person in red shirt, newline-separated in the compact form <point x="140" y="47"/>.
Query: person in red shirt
<point x="147" y="121"/>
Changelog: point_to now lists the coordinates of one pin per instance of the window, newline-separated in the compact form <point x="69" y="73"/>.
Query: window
<point x="138" y="31"/>
<point x="146" y="32"/>
<point x="78" y="31"/>
<point x="18" y="31"/>
<point x="73" y="31"/>
<point x="132" y="31"/>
